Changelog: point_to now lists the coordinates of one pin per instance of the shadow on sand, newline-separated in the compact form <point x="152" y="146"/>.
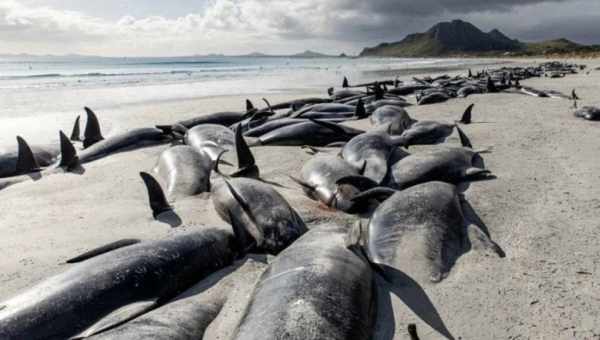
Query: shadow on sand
<point x="412" y="295"/>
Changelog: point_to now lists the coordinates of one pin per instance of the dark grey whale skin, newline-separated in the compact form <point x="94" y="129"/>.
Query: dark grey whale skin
<point x="315" y="289"/>
<point x="263" y="212"/>
<point x="307" y="133"/>
<point x="127" y="140"/>
<point x="446" y="164"/>
<point x="219" y="118"/>
<point x="68" y="303"/>
<point x="44" y="155"/>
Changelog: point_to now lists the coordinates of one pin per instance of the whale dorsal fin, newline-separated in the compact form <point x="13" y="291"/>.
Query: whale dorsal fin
<point x="345" y="83"/>
<point x="76" y="133"/>
<point x="68" y="154"/>
<point x="249" y="105"/>
<point x="92" y="133"/>
<point x="246" y="163"/>
<point x="103" y="250"/>
<point x="466" y="117"/>
<point x="158" y="200"/>
<point x="360" y="111"/>
<point x="464" y="140"/>
<point x="26" y="161"/>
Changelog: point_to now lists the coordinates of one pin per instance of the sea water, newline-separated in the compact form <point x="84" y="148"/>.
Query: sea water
<point x="36" y="92"/>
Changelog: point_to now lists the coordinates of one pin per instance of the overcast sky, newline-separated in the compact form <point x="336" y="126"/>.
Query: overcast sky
<point x="184" y="27"/>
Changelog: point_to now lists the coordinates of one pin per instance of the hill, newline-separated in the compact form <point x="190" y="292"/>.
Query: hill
<point x="459" y="38"/>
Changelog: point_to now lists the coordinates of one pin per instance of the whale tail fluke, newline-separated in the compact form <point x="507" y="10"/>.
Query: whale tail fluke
<point x="158" y="200"/>
<point x="76" y="132"/>
<point x="26" y="161"/>
<point x="92" y="133"/>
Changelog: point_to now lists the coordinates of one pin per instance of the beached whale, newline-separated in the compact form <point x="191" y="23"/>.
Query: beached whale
<point x="185" y="171"/>
<point x="211" y="139"/>
<point x="106" y="290"/>
<point x="389" y="113"/>
<point x="421" y="230"/>
<point x="319" y="180"/>
<point x="188" y="316"/>
<point x="67" y="162"/>
<point x="26" y="158"/>
<point x="251" y="205"/>
<point x="274" y="124"/>
<point x="432" y="132"/>
<point x="372" y="151"/>
<point x="588" y="112"/>
<point x="132" y="139"/>
<point x="315" y="289"/>
<point x="446" y="164"/>
<point x="313" y="132"/>
<point x="225" y="118"/>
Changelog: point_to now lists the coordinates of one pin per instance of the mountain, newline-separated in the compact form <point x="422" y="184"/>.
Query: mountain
<point x="305" y="54"/>
<point x="446" y="38"/>
<point x="310" y="54"/>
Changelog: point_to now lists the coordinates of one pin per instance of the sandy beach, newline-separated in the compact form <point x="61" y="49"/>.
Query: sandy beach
<point x="541" y="209"/>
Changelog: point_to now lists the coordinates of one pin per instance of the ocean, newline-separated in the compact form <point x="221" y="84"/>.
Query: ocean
<point x="58" y="87"/>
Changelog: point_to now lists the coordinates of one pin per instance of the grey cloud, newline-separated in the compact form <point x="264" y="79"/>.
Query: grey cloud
<point x="581" y="29"/>
<point x="436" y="7"/>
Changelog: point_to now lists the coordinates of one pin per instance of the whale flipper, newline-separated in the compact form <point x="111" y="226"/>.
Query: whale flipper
<point x="103" y="250"/>
<point x="378" y="193"/>
<point x="256" y="235"/>
<point x="331" y="126"/>
<point x="466" y="117"/>
<point x="26" y="161"/>
<point x="156" y="195"/>
<point x="76" y="133"/>
<point x="361" y="183"/>
<point x="307" y="186"/>
<point x="68" y="155"/>
<point x="92" y="133"/>
<point x="118" y="317"/>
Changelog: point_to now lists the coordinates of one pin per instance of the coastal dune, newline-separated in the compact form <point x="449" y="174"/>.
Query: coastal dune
<point x="541" y="210"/>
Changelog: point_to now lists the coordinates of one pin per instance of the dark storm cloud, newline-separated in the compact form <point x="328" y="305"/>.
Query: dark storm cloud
<point x="435" y="7"/>
<point x="581" y="29"/>
<point x="384" y="20"/>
